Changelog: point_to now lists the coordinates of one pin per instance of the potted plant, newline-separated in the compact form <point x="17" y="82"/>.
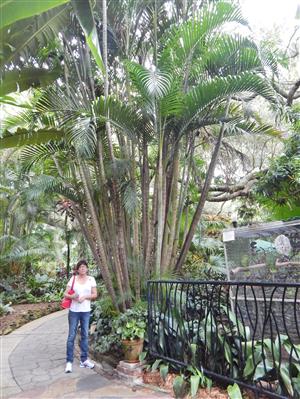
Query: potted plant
<point x="131" y="327"/>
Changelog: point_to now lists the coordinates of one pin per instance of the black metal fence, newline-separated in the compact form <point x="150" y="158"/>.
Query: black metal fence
<point x="243" y="332"/>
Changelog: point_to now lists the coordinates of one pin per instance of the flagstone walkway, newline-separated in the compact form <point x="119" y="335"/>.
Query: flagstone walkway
<point x="33" y="361"/>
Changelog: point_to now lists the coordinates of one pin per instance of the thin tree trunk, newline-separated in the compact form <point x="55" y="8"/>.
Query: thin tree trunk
<point x="90" y="203"/>
<point x="115" y="194"/>
<point x="203" y="196"/>
<point x="174" y="201"/>
<point x="160" y="210"/>
<point x="182" y="199"/>
<point x="145" y="201"/>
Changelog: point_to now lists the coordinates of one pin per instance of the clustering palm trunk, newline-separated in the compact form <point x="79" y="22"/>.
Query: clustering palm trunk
<point x="138" y="219"/>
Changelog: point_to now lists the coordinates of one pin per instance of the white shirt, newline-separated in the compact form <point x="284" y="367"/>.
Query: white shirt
<point x="82" y="289"/>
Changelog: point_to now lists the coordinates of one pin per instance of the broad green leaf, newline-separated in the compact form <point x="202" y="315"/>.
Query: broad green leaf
<point x="251" y="363"/>
<point x="26" y="37"/>
<point x="296" y="384"/>
<point x="285" y="375"/>
<point x="84" y="13"/>
<point x="155" y="365"/>
<point x="163" y="370"/>
<point x="193" y="348"/>
<point x="294" y="349"/>
<point x="14" y="10"/>
<point x="262" y="369"/>
<point x="24" y="137"/>
<point x="28" y="77"/>
<point x="179" y="387"/>
<point x="234" y="392"/>
<point x="195" y="381"/>
<point x="142" y="356"/>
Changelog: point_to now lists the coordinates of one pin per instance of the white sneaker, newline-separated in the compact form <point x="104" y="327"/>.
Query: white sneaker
<point x="87" y="364"/>
<point x="68" y="368"/>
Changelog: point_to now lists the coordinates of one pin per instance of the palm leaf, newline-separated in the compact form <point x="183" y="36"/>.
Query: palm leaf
<point x="44" y="184"/>
<point x="193" y="35"/>
<point x="252" y="127"/>
<point x="33" y="154"/>
<point x="215" y="89"/>
<point x="130" y="197"/>
<point x="151" y="84"/>
<point x="231" y="55"/>
<point x="125" y="118"/>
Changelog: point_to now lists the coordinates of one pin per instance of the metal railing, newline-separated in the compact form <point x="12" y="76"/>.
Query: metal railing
<point x="243" y="332"/>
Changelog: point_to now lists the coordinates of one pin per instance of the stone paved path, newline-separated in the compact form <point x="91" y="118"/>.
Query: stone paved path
<point x="32" y="367"/>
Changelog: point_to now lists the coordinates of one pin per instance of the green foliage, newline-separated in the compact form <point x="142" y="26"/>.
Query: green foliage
<point x="179" y="386"/>
<point x="26" y="78"/>
<point x="33" y="289"/>
<point x="5" y="308"/>
<point x="131" y="324"/>
<point x="84" y="13"/>
<point x="103" y="337"/>
<point x="234" y="392"/>
<point x="14" y="10"/>
<point x="278" y="189"/>
<point x="228" y="347"/>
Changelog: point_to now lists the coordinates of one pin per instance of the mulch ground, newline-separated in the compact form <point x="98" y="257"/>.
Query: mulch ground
<point x="25" y="313"/>
<point x="154" y="378"/>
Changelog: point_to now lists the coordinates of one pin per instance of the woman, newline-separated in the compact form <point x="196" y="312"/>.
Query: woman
<point x="85" y="291"/>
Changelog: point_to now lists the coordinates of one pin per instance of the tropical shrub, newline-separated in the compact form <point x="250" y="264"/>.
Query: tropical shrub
<point x="33" y="289"/>
<point x="131" y="324"/>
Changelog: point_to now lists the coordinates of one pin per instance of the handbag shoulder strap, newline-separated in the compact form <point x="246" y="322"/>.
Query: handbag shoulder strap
<point x="73" y="282"/>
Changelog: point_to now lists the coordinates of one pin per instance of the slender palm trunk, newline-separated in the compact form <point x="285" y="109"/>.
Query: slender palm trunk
<point x="160" y="211"/>
<point x="173" y="211"/>
<point x="203" y="196"/>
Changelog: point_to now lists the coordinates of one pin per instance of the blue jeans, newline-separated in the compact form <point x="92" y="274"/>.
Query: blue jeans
<point x="74" y="319"/>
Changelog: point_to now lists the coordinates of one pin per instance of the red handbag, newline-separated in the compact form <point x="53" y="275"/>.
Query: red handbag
<point x="66" y="302"/>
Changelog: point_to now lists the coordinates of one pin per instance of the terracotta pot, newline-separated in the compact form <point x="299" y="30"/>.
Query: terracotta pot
<point x="132" y="350"/>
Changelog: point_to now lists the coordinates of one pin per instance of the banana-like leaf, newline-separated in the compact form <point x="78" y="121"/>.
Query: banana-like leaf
<point x="24" y="137"/>
<point x="26" y="37"/>
<point x="84" y="13"/>
<point x="15" y="80"/>
<point x="14" y="10"/>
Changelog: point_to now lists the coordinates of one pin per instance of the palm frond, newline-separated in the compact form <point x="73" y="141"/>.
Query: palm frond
<point x="131" y="200"/>
<point x="33" y="154"/>
<point x="125" y="118"/>
<point x="230" y="55"/>
<point x="44" y="184"/>
<point x="150" y="84"/>
<point x="183" y="41"/>
<point x="251" y="127"/>
<point x="205" y="94"/>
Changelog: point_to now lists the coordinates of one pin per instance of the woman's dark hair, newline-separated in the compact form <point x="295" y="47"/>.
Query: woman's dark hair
<point x="81" y="262"/>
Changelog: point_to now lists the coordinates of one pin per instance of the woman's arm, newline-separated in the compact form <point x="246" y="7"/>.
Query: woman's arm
<point x="73" y="296"/>
<point x="91" y="297"/>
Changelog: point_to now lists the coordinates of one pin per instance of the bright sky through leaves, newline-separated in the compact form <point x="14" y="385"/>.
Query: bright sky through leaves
<point x="264" y="14"/>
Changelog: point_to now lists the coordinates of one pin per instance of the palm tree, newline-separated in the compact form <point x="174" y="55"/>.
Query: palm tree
<point x="119" y="159"/>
